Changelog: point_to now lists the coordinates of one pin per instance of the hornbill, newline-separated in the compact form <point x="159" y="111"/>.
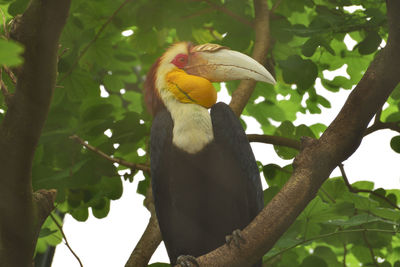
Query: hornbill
<point x="205" y="179"/>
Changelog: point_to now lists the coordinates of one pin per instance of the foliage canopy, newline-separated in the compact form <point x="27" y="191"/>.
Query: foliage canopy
<point x="111" y="45"/>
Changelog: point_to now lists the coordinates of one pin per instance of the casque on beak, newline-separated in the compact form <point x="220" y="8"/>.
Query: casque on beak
<point x="219" y="64"/>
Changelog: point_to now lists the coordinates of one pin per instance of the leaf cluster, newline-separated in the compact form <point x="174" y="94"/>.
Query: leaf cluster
<point x="338" y="227"/>
<point x="105" y="52"/>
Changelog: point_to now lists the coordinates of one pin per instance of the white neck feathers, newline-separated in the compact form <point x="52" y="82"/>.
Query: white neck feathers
<point x="192" y="126"/>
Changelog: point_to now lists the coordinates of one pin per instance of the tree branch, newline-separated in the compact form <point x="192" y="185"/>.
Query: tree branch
<point x="38" y="29"/>
<point x="274" y="140"/>
<point x="276" y="5"/>
<point x="329" y="235"/>
<point x="10" y="74"/>
<point x="4" y="23"/>
<point x="4" y="90"/>
<point x="355" y="190"/>
<point x="133" y="166"/>
<point x="241" y="95"/>
<point x="378" y="125"/>
<point x="318" y="158"/>
<point x="65" y="240"/>
<point x="371" y="251"/>
<point x="44" y="202"/>
<point x="150" y="239"/>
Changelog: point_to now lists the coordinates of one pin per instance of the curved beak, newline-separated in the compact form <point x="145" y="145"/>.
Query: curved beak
<point x="219" y="64"/>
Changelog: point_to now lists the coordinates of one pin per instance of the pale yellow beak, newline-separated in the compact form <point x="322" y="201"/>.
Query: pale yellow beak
<point x="219" y="64"/>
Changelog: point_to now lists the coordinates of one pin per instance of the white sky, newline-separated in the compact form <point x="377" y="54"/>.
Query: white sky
<point x="109" y="241"/>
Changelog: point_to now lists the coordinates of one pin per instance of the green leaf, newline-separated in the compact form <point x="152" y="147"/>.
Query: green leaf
<point x="281" y="30"/>
<point x="10" y="53"/>
<point x="328" y="255"/>
<point x="112" y="187"/>
<point x="363" y="185"/>
<point x="395" y="143"/>
<point x="142" y="186"/>
<point x="113" y="83"/>
<point x="362" y="253"/>
<point x="299" y="71"/>
<point x="46" y="232"/>
<point x="313" y="261"/>
<point x="355" y="220"/>
<point x="78" y="84"/>
<point x="276" y="175"/>
<point x="135" y="100"/>
<point x="101" y="210"/>
<point x="17" y="7"/>
<point x="390" y="214"/>
<point x="80" y="214"/>
<point x="370" y="43"/>
<point x="286" y="129"/>
<point x="56" y="177"/>
<point x="360" y="202"/>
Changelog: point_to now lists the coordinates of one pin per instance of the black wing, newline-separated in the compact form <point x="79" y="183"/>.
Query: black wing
<point x="229" y="133"/>
<point x="161" y="139"/>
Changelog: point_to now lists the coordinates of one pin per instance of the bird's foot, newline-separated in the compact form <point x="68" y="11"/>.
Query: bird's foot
<point x="187" y="261"/>
<point x="236" y="238"/>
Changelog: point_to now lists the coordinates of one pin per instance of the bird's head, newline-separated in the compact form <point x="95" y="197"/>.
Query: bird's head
<point x="185" y="73"/>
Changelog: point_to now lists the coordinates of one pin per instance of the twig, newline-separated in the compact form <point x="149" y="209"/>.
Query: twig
<point x="327" y="195"/>
<point x="275" y="6"/>
<point x="274" y="140"/>
<point x="62" y="53"/>
<point x="133" y="166"/>
<point x="355" y="190"/>
<point x="65" y="239"/>
<point x="344" y="254"/>
<point x="3" y="87"/>
<point x="229" y="13"/>
<point x="4" y="24"/>
<point x="4" y="90"/>
<point x="329" y="235"/>
<point x="10" y="74"/>
<point x="198" y="13"/>
<point x="370" y="250"/>
<point x="378" y="125"/>
<point x="102" y="28"/>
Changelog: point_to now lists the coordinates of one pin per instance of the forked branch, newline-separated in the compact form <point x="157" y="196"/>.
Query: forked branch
<point x="318" y="158"/>
<point x="133" y="166"/>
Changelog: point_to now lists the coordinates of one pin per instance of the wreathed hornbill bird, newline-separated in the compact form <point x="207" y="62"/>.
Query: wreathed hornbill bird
<point x="205" y="180"/>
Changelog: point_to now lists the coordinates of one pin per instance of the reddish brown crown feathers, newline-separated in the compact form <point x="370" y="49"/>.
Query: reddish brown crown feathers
<point x="152" y="97"/>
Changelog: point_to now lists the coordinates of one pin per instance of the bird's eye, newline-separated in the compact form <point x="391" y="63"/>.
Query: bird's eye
<point x="180" y="60"/>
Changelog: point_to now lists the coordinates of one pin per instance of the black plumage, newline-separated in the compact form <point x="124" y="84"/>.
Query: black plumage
<point x="200" y="198"/>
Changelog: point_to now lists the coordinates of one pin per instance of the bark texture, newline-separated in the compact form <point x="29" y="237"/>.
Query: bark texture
<point x="242" y="94"/>
<point x="22" y="211"/>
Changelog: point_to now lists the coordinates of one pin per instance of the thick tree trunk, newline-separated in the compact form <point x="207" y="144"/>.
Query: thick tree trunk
<point x="22" y="212"/>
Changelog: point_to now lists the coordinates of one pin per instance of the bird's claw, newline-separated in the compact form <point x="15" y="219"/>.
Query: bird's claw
<point x="187" y="261"/>
<point x="236" y="238"/>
